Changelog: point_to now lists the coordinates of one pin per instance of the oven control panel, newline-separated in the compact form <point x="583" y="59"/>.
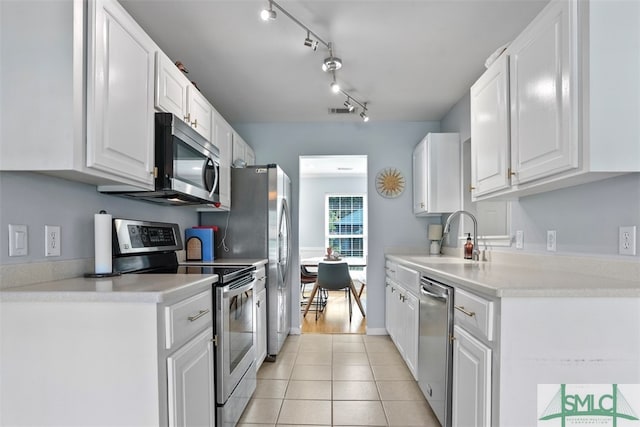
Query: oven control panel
<point x="131" y="236"/>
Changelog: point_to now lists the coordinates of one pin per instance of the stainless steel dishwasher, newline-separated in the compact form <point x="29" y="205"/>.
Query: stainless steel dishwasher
<point x="435" y="348"/>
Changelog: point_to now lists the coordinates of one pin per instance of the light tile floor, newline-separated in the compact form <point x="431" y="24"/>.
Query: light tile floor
<point x="337" y="380"/>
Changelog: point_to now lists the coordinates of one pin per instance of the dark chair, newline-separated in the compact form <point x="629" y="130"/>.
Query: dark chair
<point x="334" y="276"/>
<point x="307" y="277"/>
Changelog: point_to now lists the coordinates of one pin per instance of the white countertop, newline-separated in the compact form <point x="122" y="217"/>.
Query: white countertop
<point x="137" y="288"/>
<point x="498" y="279"/>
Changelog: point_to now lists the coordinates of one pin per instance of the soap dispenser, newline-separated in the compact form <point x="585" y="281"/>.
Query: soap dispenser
<point x="468" y="248"/>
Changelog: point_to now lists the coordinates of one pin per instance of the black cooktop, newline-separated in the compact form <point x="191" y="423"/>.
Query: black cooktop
<point x="225" y="273"/>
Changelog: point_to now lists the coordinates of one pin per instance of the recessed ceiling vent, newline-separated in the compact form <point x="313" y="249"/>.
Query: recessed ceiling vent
<point x="342" y="111"/>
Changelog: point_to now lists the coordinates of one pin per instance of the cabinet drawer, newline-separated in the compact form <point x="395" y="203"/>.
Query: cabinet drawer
<point x="390" y="269"/>
<point x="410" y="279"/>
<point x="474" y="312"/>
<point x="261" y="279"/>
<point x="187" y="317"/>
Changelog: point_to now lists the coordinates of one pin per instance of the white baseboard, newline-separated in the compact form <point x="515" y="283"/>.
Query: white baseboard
<point x="295" y="331"/>
<point x="376" y="331"/>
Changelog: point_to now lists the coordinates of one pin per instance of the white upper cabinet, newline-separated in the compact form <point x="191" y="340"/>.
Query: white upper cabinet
<point x="200" y="114"/>
<point x="436" y="174"/>
<point x="120" y="136"/>
<point x="176" y="94"/>
<point x="571" y="119"/>
<point x="96" y="90"/>
<point x="490" y="152"/>
<point x="171" y="87"/>
<point x="242" y="151"/>
<point x="543" y="106"/>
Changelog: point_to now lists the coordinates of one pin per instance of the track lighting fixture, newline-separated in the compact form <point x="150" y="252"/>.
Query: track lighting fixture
<point x="330" y="64"/>
<point x="268" y="14"/>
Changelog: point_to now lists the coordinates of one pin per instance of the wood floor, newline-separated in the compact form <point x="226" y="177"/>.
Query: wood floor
<point x="335" y="317"/>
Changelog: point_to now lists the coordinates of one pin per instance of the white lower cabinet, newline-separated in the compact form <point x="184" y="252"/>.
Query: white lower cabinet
<point x="402" y="317"/>
<point x="471" y="399"/>
<point x="112" y="362"/>
<point x="191" y="388"/>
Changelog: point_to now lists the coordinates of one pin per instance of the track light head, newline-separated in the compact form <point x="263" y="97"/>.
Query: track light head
<point x="364" y="116"/>
<point x="268" y="14"/>
<point x="309" y="42"/>
<point x="335" y="87"/>
<point x="349" y="106"/>
<point x="331" y="63"/>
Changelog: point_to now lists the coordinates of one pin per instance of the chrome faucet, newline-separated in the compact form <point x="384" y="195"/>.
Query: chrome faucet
<point x="447" y="228"/>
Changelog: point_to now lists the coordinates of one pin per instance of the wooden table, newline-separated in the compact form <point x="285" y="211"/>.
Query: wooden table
<point x="351" y="261"/>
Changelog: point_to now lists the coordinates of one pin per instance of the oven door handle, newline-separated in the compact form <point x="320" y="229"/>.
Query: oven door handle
<point x="227" y="293"/>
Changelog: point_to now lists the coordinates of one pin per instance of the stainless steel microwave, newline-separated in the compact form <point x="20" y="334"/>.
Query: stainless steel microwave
<point x="187" y="166"/>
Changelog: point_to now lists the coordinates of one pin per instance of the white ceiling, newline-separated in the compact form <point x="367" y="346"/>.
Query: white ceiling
<point x="410" y="60"/>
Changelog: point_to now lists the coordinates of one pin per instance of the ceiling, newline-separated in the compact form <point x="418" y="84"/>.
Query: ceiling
<point x="409" y="60"/>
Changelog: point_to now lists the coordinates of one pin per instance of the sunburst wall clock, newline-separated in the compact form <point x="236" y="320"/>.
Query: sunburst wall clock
<point x="390" y="183"/>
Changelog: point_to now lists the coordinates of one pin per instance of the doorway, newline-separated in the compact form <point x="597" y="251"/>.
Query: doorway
<point x="333" y="213"/>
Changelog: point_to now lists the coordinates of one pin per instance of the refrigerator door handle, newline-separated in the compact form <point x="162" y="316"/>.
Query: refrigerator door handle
<point x="283" y="262"/>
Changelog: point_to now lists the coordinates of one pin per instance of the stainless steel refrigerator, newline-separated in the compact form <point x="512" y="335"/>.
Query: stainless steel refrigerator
<point x="260" y="227"/>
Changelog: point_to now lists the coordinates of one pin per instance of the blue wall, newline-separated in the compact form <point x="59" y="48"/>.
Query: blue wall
<point x="391" y="221"/>
<point x="38" y="200"/>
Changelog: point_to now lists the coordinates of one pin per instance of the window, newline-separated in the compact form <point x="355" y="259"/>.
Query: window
<point x="346" y="227"/>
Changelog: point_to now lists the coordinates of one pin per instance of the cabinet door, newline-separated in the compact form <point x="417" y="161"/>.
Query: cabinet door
<point x="120" y="88"/>
<point x="390" y="311"/>
<point x="490" y="154"/>
<point x="249" y="155"/>
<point x="238" y="151"/>
<point x="190" y="383"/>
<point x="471" y="381"/>
<point x="171" y="87"/>
<point x="261" y="327"/>
<point x="200" y="114"/>
<point x="542" y="84"/>
<point x="411" y="324"/>
<point x="223" y="136"/>
<point x="420" y="178"/>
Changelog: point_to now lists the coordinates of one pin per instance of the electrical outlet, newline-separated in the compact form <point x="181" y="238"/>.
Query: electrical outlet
<point x="18" y="240"/>
<point x="51" y="240"/>
<point x="627" y="240"/>
<point x="551" y="240"/>
<point x="519" y="239"/>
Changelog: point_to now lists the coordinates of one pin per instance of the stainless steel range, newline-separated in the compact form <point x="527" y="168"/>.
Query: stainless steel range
<point x="150" y="247"/>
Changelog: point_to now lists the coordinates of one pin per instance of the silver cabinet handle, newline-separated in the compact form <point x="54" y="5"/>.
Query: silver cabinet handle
<point x="462" y="309"/>
<point x="197" y="316"/>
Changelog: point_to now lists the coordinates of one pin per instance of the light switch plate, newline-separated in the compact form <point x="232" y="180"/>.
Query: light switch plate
<point x="18" y="240"/>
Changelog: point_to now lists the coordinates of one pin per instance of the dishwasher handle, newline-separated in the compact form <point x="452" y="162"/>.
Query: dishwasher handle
<point x="435" y="289"/>
<point x="424" y="291"/>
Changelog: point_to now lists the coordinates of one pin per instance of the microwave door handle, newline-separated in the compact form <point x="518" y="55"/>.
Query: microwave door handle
<point x="213" y="165"/>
